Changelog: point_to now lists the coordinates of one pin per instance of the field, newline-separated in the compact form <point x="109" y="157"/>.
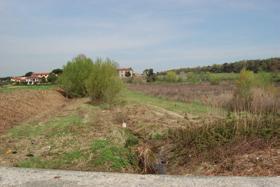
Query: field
<point x="11" y="88"/>
<point x="213" y="95"/>
<point x="163" y="129"/>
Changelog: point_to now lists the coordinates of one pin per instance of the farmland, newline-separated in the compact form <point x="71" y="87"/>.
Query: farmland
<point x="179" y="129"/>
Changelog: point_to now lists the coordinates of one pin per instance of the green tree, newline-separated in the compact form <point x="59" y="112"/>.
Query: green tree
<point x="52" y="78"/>
<point x="149" y="75"/>
<point x="127" y="74"/>
<point x="57" y="71"/>
<point x="28" y="74"/>
<point x="43" y="80"/>
<point x="74" y="76"/>
<point x="104" y="84"/>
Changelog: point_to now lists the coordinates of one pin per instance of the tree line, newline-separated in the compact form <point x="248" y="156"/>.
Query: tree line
<point x="260" y="65"/>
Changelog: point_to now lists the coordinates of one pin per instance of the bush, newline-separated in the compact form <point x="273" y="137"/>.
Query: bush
<point x="275" y="77"/>
<point x="138" y="80"/>
<point x="171" y="76"/>
<point x="74" y="76"/>
<point x="192" y="78"/>
<point x="263" y="79"/>
<point x="52" y="78"/>
<point x="255" y="93"/>
<point x="149" y="75"/>
<point x="243" y="96"/>
<point x="214" y="79"/>
<point x="235" y="128"/>
<point x="103" y="83"/>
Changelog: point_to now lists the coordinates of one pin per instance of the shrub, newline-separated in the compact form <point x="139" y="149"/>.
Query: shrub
<point x="182" y="76"/>
<point x="74" y="76"/>
<point x="195" y="77"/>
<point x="235" y="127"/>
<point x="103" y="83"/>
<point x="255" y="93"/>
<point x="263" y="79"/>
<point x="52" y="78"/>
<point x="275" y="77"/>
<point x="192" y="78"/>
<point x="214" y="79"/>
<point x="138" y="79"/>
<point x="149" y="75"/>
<point x="171" y="76"/>
<point x="243" y="96"/>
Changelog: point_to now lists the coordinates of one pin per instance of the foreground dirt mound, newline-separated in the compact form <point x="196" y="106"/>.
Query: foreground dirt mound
<point x="21" y="105"/>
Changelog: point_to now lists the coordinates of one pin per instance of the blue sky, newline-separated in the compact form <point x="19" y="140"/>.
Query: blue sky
<point x="40" y="35"/>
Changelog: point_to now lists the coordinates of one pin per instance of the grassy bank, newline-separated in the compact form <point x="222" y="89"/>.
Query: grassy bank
<point x="194" y="107"/>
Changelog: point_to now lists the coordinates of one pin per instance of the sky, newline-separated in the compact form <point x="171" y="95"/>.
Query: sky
<point x="41" y="35"/>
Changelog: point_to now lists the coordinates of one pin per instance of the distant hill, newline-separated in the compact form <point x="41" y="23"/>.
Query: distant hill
<point x="267" y="65"/>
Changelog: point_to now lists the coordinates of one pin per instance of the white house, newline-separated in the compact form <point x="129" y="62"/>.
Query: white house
<point x="33" y="79"/>
<point x="37" y="78"/>
<point x="125" y="72"/>
<point x="18" y="79"/>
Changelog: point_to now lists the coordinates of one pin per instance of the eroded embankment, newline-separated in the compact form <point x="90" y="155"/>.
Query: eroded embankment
<point x="22" y="105"/>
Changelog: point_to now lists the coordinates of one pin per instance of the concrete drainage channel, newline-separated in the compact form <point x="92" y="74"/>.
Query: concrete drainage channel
<point x="52" y="178"/>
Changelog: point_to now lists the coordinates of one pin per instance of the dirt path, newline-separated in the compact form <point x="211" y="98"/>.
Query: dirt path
<point x="22" y="105"/>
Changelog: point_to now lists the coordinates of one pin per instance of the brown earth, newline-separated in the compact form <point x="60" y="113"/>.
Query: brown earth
<point x="19" y="106"/>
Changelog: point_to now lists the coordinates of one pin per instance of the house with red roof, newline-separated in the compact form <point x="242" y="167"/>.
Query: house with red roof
<point x="35" y="78"/>
<point x="18" y="79"/>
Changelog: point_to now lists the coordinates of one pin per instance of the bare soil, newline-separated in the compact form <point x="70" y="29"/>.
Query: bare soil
<point x="21" y="105"/>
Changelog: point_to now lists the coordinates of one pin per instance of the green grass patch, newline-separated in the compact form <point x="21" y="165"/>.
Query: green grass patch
<point x="62" y="161"/>
<point x="10" y="88"/>
<point x="226" y="76"/>
<point x="158" y="135"/>
<point x="131" y="140"/>
<point x="112" y="156"/>
<point x="176" y="106"/>
<point x="55" y="127"/>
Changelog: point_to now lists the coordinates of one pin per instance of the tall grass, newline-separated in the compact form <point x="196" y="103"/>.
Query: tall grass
<point x="235" y="128"/>
<point x="255" y="93"/>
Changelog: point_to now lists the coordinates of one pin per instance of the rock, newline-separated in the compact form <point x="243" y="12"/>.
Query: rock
<point x="124" y="125"/>
<point x="30" y="155"/>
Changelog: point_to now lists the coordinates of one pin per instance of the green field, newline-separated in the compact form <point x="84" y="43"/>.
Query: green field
<point x="10" y="88"/>
<point x="194" y="107"/>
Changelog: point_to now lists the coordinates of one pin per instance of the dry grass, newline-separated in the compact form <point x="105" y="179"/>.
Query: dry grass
<point x="20" y="105"/>
<point x="147" y="159"/>
<point x="219" y="145"/>
<point x="260" y="101"/>
<point x="213" y="95"/>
